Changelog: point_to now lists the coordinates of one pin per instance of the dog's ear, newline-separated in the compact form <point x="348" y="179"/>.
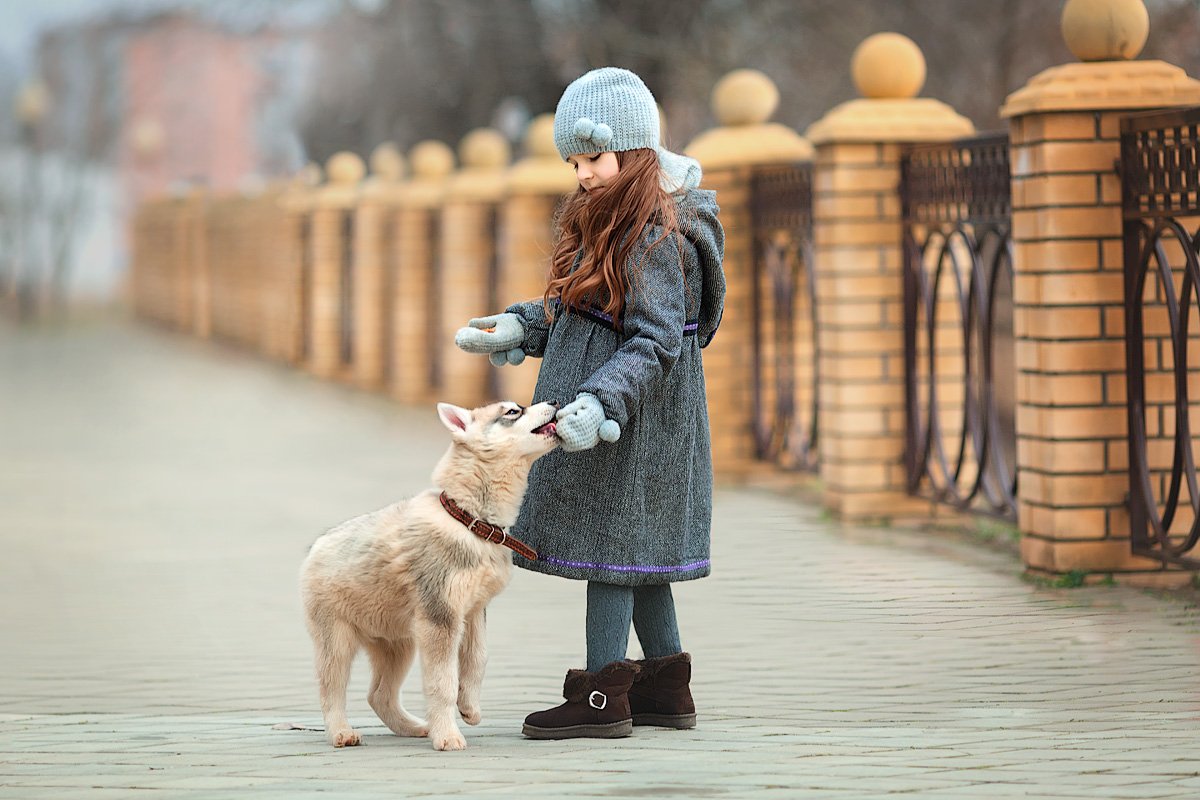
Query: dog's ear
<point x="454" y="418"/>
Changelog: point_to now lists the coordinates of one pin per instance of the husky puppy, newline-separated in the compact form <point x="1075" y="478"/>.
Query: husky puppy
<point x="412" y="577"/>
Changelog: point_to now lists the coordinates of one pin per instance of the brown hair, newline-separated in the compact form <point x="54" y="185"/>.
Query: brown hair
<point x="608" y="226"/>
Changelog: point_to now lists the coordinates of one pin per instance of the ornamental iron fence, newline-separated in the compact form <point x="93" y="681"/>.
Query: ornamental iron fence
<point x="960" y="446"/>
<point x="1160" y="157"/>
<point x="784" y="310"/>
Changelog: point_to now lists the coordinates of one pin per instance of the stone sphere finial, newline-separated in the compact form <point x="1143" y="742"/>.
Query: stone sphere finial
<point x="431" y="159"/>
<point x="888" y="66"/>
<point x="387" y="162"/>
<point x="32" y="103"/>
<point x="345" y="168"/>
<point x="484" y="148"/>
<point x="744" y="97"/>
<point x="539" y="137"/>
<point x="310" y="175"/>
<point x="1105" y="30"/>
<point x="147" y="137"/>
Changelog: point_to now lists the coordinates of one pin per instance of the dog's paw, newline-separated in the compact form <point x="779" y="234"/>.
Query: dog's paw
<point x="448" y="740"/>
<point x="415" y="728"/>
<point x="346" y="737"/>
<point x="470" y="714"/>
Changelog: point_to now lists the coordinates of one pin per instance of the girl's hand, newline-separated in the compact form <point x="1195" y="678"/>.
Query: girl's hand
<point x="581" y="424"/>
<point x="499" y="335"/>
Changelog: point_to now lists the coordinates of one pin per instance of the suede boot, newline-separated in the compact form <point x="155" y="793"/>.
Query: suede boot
<point x="660" y="694"/>
<point x="597" y="706"/>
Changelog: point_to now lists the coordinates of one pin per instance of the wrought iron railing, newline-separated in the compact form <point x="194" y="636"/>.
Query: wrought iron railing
<point x="784" y="309"/>
<point x="1160" y="158"/>
<point x="960" y="400"/>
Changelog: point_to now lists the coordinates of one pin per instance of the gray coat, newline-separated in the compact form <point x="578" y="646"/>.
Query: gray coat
<point x="636" y="511"/>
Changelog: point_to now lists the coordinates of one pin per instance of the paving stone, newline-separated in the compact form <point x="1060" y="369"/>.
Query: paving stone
<point x="158" y="493"/>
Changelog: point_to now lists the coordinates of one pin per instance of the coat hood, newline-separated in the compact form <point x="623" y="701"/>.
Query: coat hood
<point x="697" y="210"/>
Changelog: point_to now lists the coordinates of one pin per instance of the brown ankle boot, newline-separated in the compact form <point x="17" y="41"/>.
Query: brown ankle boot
<point x="597" y="706"/>
<point x="660" y="694"/>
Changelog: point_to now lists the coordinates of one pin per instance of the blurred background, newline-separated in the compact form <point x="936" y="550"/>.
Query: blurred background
<point x="108" y="102"/>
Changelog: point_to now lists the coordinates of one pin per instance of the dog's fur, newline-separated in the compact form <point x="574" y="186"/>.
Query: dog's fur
<point x="410" y="577"/>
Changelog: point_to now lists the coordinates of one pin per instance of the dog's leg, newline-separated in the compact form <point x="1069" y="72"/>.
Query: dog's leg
<point x="389" y="664"/>
<point x="438" y="643"/>
<point x="335" y="645"/>
<point x="472" y="658"/>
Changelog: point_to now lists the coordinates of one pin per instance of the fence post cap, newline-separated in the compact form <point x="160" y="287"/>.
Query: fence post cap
<point x="1105" y="30"/>
<point x="743" y="101"/>
<point x="387" y="162"/>
<point x="889" y="71"/>
<point x="888" y="66"/>
<point x="542" y="171"/>
<point x="147" y="137"/>
<point x="431" y="159"/>
<point x="484" y="153"/>
<point x="310" y="175"/>
<point x="744" y="97"/>
<point x="344" y="168"/>
<point x="539" y="138"/>
<point x="484" y="148"/>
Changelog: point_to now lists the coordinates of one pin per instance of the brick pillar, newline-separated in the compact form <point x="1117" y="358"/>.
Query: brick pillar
<point x="858" y="257"/>
<point x="373" y="233"/>
<point x="414" y="299"/>
<point x="334" y="201"/>
<point x="291" y="252"/>
<point x="468" y="260"/>
<point x="196" y="300"/>
<point x="1068" y="292"/>
<point x="743" y="102"/>
<point x="536" y="185"/>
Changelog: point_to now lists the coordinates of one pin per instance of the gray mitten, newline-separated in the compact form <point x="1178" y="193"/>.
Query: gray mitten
<point x="499" y="333"/>
<point x="581" y="424"/>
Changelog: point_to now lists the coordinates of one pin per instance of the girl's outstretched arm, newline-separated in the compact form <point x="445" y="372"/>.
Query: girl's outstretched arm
<point x="537" y="329"/>
<point x="655" y="313"/>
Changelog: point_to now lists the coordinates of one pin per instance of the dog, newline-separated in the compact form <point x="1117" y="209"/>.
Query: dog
<point x="411" y="577"/>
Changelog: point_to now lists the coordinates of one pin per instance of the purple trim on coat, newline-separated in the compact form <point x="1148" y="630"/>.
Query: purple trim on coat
<point x="624" y="567"/>
<point x="690" y="327"/>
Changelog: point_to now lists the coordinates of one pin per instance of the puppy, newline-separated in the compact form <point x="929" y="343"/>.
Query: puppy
<point x="412" y="577"/>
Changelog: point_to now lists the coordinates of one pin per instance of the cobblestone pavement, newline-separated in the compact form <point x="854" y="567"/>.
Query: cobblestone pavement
<point x="157" y="495"/>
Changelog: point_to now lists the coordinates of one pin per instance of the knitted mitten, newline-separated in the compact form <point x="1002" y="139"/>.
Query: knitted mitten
<point x="499" y="335"/>
<point x="581" y="424"/>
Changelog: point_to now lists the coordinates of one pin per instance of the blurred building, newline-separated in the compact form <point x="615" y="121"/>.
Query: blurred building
<point x="176" y="98"/>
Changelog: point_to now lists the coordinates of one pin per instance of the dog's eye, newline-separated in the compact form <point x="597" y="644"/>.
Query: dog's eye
<point x="513" y="412"/>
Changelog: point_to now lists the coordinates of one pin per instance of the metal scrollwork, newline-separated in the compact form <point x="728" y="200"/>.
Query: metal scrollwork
<point x="961" y="439"/>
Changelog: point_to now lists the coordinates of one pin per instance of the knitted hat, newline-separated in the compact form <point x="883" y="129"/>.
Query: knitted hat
<point x="610" y="109"/>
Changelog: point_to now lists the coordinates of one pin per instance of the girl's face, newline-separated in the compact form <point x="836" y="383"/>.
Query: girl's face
<point x="595" y="170"/>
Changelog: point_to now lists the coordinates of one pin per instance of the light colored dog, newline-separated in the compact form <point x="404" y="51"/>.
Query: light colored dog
<point x="412" y="577"/>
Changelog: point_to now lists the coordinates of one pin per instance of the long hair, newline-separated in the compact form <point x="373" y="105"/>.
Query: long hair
<point x="607" y="226"/>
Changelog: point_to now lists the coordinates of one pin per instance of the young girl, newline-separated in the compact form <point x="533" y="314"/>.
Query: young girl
<point x="636" y="289"/>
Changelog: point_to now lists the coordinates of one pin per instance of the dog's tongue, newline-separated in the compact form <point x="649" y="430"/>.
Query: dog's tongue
<point x="549" y="427"/>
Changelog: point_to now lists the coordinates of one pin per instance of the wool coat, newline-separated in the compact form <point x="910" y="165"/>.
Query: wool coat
<point x="636" y="511"/>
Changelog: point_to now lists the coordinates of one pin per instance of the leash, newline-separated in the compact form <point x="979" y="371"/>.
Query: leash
<point x="486" y="530"/>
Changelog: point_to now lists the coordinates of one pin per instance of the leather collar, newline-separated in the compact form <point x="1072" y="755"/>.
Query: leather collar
<point x="486" y="530"/>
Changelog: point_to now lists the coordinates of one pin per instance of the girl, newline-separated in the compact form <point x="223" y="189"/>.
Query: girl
<point x="636" y="289"/>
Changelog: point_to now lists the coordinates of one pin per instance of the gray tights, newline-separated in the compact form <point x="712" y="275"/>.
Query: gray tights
<point x="611" y="608"/>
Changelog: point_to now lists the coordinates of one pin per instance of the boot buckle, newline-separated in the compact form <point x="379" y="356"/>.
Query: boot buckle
<point x="603" y="701"/>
